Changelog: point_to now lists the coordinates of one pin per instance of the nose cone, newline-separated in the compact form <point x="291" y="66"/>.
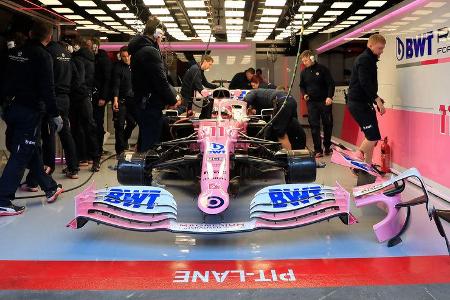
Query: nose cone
<point x="213" y="202"/>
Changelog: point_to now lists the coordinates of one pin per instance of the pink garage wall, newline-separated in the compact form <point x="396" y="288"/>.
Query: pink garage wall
<point x="415" y="140"/>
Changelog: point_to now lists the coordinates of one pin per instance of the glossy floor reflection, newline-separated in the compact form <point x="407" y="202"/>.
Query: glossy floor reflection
<point x="41" y="232"/>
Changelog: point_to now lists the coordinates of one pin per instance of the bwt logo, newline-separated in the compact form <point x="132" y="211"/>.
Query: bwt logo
<point x="414" y="47"/>
<point x="215" y="148"/>
<point x="282" y="197"/>
<point x="134" y="198"/>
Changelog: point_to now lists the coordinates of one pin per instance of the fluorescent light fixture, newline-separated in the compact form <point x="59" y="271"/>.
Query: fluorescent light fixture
<point x="234" y="4"/>
<point x="233" y="13"/>
<point x="202" y="27"/>
<point x="400" y="23"/>
<point x="166" y="19"/>
<point x="112" y="23"/>
<point x="357" y="18"/>
<point x="85" y="3"/>
<point x="234" y="21"/>
<point x="83" y="22"/>
<point x="170" y="25"/>
<point x="422" y="12"/>
<point x="267" y="25"/>
<point x="321" y="24"/>
<point x="326" y="19"/>
<point x="194" y="4"/>
<point x="435" y="4"/>
<point x="365" y="11"/>
<point x="271" y="12"/>
<point x="307" y="8"/>
<point x="63" y="10"/>
<point x="313" y="1"/>
<point x="264" y="30"/>
<point x="126" y="15"/>
<point x="199" y="21"/>
<point x="275" y="2"/>
<point x="135" y="21"/>
<point x="268" y="20"/>
<point x="198" y="13"/>
<point x="375" y="3"/>
<point x="95" y="12"/>
<point x="333" y="12"/>
<point x="349" y="22"/>
<point x="306" y="16"/>
<point x="117" y="7"/>
<point x="234" y="27"/>
<point x="439" y="21"/>
<point x="410" y="18"/>
<point x="159" y="11"/>
<point x="154" y="2"/>
<point x="341" y="5"/>
<point x="104" y="18"/>
<point x="74" y="17"/>
<point x="50" y="2"/>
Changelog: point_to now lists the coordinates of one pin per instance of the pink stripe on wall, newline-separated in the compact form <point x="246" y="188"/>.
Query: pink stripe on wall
<point x="415" y="140"/>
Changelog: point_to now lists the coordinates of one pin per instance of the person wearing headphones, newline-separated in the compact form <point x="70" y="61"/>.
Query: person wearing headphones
<point x="194" y="80"/>
<point x="317" y="86"/>
<point x="152" y="91"/>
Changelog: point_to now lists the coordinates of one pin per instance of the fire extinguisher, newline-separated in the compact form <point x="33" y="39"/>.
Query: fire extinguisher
<point x="385" y="156"/>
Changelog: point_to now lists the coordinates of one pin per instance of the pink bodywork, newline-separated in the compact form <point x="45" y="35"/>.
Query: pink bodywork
<point x="347" y="158"/>
<point x="217" y="141"/>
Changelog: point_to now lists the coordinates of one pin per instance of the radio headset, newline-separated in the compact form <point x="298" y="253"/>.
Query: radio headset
<point x="312" y="58"/>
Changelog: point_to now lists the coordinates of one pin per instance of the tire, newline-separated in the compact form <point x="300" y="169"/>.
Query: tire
<point x="301" y="167"/>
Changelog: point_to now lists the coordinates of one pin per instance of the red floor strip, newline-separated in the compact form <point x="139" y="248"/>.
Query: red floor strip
<point x="176" y="275"/>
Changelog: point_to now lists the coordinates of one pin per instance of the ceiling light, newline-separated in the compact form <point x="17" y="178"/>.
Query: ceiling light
<point x="159" y="11"/>
<point x="197" y="13"/>
<point x="349" y="22"/>
<point x="365" y="11"/>
<point x="63" y="10"/>
<point x="74" y="17"/>
<point x="50" y="2"/>
<point x="83" y="22"/>
<point x="199" y="21"/>
<point x="422" y="12"/>
<point x="234" y="4"/>
<point x="95" y="12"/>
<point x="117" y="7"/>
<point x="439" y="21"/>
<point x="85" y="3"/>
<point x="306" y="16"/>
<point x="166" y="19"/>
<point x="313" y="1"/>
<point x="233" y="13"/>
<point x="327" y="19"/>
<point x="154" y="2"/>
<point x="275" y="2"/>
<point x="307" y="8"/>
<point x="126" y="15"/>
<point x="410" y="18"/>
<point x="268" y="20"/>
<point x="435" y="4"/>
<point x="104" y="18"/>
<point x="267" y="25"/>
<point x="341" y="5"/>
<point x="333" y="12"/>
<point x="112" y="23"/>
<point x="271" y="12"/>
<point x="375" y="3"/>
<point x="234" y="27"/>
<point x="234" y="21"/>
<point x="194" y="4"/>
<point x="202" y="27"/>
<point x="357" y="18"/>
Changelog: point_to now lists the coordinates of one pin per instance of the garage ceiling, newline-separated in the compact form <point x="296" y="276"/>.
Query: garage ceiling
<point x="218" y="20"/>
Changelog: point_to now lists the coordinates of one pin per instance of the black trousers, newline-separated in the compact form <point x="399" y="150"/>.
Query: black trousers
<point x="49" y="141"/>
<point x="319" y="111"/>
<point x="84" y="130"/>
<point x="150" y="122"/>
<point x="23" y="142"/>
<point x="124" y="123"/>
<point x="99" y="117"/>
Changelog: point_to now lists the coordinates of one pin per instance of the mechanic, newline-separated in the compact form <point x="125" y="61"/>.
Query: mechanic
<point x="28" y="92"/>
<point x="286" y="128"/>
<point x="317" y="86"/>
<point x="62" y="71"/>
<point x="257" y="84"/>
<point x="362" y="95"/>
<point x="194" y="80"/>
<point x="259" y="76"/>
<point x="152" y="91"/>
<point x="82" y="121"/>
<point x="241" y="81"/>
<point x="101" y="93"/>
<point x="123" y="109"/>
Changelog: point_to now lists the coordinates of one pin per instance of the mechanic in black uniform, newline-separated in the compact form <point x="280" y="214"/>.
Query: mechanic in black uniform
<point x="27" y="92"/>
<point x="286" y="128"/>
<point x="317" y="87"/>
<point x="194" y="80"/>
<point x="83" y="125"/>
<point x="123" y="108"/>
<point x="62" y="71"/>
<point x="362" y="95"/>
<point x="241" y="81"/>
<point x="152" y="91"/>
<point x="101" y="94"/>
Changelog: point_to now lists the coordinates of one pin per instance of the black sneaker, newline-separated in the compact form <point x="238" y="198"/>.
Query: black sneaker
<point x="11" y="210"/>
<point x="328" y="151"/>
<point x="72" y="174"/>
<point x="53" y="194"/>
<point x="95" y="166"/>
